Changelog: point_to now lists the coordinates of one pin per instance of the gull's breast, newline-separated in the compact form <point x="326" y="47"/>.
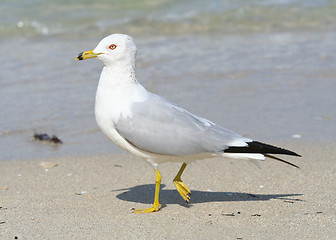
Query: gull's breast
<point x="110" y="105"/>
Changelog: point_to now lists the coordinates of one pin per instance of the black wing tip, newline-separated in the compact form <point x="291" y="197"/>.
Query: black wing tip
<point x="265" y="149"/>
<point x="259" y="147"/>
<point x="276" y="150"/>
<point x="281" y="160"/>
<point x="296" y="155"/>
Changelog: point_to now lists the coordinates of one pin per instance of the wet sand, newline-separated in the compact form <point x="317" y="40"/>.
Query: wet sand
<point x="92" y="197"/>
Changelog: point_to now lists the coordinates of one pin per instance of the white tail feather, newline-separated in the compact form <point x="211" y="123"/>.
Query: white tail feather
<point x="244" y="156"/>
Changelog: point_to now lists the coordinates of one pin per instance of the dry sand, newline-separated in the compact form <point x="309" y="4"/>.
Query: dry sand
<point x="92" y="197"/>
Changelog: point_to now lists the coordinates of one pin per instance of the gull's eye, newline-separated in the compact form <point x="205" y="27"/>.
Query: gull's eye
<point x="112" y="46"/>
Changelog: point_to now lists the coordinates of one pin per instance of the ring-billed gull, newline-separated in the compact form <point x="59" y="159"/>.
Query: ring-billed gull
<point x="154" y="129"/>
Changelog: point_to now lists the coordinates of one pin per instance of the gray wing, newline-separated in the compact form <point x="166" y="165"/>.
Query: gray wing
<point x="158" y="126"/>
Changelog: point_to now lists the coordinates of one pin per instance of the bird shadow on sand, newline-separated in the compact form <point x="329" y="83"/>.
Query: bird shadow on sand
<point x="145" y="194"/>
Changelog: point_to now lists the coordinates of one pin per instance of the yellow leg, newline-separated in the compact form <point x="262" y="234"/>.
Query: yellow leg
<point x="180" y="186"/>
<point x="156" y="205"/>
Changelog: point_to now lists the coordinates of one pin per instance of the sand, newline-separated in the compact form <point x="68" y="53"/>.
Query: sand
<point x="92" y="197"/>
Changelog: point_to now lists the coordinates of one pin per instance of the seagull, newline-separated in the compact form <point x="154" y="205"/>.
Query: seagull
<point x="153" y="128"/>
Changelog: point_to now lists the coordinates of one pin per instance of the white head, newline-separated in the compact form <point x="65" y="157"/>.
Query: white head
<point x="112" y="49"/>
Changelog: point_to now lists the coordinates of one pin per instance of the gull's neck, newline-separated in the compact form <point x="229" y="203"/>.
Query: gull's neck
<point x="120" y="74"/>
<point x="117" y="89"/>
<point x="118" y="85"/>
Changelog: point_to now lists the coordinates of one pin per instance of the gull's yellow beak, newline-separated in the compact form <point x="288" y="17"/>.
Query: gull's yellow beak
<point x="86" y="55"/>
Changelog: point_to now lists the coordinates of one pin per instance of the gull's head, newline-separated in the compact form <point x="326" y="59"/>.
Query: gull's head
<point x="112" y="49"/>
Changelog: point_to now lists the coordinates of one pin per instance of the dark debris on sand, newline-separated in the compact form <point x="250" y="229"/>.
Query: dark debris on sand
<point x="43" y="137"/>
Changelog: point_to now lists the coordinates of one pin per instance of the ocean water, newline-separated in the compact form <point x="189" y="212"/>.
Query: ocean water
<point x="265" y="69"/>
<point x="84" y="18"/>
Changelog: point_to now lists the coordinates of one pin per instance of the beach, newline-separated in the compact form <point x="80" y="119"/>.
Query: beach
<point x="93" y="197"/>
<point x="264" y="69"/>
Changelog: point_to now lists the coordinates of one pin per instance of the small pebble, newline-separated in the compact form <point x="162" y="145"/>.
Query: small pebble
<point x="48" y="164"/>
<point x="256" y="215"/>
<point x="228" y="214"/>
<point x="20" y="24"/>
<point x="296" y="136"/>
<point x="81" y="193"/>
